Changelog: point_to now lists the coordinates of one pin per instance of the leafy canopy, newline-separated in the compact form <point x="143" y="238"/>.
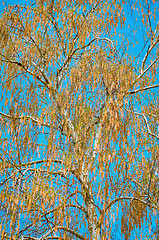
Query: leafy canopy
<point x="79" y="120"/>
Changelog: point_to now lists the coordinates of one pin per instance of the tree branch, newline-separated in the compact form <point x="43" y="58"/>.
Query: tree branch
<point x="144" y="71"/>
<point x="132" y="199"/>
<point x="148" y="52"/>
<point x="40" y="161"/>
<point x="46" y="83"/>
<point x="71" y="231"/>
<point x="34" y="119"/>
<point x="143" y="89"/>
<point x="147" y="125"/>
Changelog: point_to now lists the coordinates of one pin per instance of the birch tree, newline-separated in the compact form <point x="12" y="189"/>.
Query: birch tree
<point x="79" y="120"/>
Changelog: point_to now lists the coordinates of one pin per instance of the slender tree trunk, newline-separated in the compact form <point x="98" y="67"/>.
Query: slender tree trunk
<point x="90" y="208"/>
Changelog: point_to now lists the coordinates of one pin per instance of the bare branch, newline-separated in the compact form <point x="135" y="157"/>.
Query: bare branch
<point x="147" y="125"/>
<point x="94" y="39"/>
<point x="6" y="179"/>
<point x="7" y="59"/>
<point x="72" y="231"/>
<point x="34" y="119"/>
<point x="144" y="71"/>
<point x="41" y="72"/>
<point x="41" y="161"/>
<point x="148" y="52"/>
<point x="130" y="199"/>
<point x="138" y="184"/>
<point x="143" y="89"/>
<point x="45" y="235"/>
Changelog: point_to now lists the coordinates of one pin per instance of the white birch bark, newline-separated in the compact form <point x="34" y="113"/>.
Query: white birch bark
<point x="90" y="208"/>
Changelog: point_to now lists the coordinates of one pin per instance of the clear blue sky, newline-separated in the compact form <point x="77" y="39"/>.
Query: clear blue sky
<point x="11" y="2"/>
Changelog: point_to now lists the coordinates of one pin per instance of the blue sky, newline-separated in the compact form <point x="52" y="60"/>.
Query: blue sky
<point x="11" y="2"/>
